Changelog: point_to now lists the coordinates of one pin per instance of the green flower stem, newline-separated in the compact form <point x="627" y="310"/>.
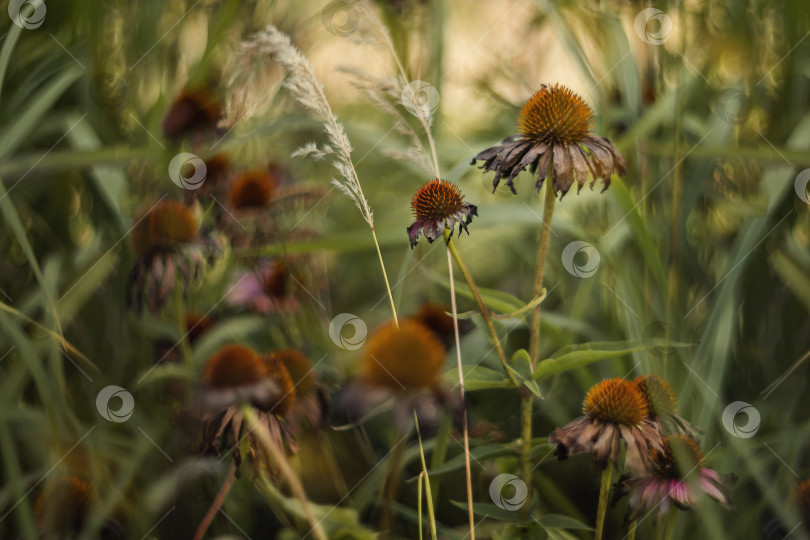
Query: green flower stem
<point x="631" y="534"/>
<point x="484" y="312"/>
<point x="601" y="510"/>
<point x="431" y="515"/>
<point x="534" y="336"/>
<point x="670" y="525"/>
<point x="280" y="461"/>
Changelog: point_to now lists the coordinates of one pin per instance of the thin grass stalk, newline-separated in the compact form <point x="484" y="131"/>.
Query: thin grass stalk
<point x="669" y="528"/>
<point x="280" y="460"/>
<point x="601" y="509"/>
<point x="631" y="534"/>
<point x="428" y="494"/>
<point x="451" y="246"/>
<point x="461" y="386"/>
<point x="216" y="504"/>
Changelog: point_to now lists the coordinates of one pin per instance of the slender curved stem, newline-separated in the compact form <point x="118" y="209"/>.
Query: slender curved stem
<point x="431" y="514"/>
<point x="601" y="510"/>
<point x="461" y="386"/>
<point x="539" y="270"/>
<point x="670" y="526"/>
<point x="280" y="460"/>
<point x="216" y="504"/>
<point x="385" y="277"/>
<point x="484" y="312"/>
<point x="534" y="336"/>
<point x="631" y="534"/>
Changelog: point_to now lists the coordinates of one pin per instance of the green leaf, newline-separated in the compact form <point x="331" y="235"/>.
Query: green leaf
<point x="479" y="453"/>
<point x="525" y="309"/>
<point x="521" y="366"/>
<point x="481" y="378"/>
<point x="573" y="356"/>
<point x="490" y="510"/>
<point x="560" y="521"/>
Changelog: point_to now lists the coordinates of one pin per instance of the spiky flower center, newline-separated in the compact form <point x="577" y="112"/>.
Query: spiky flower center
<point x="252" y="189"/>
<point x="681" y="455"/>
<point x="298" y="367"/>
<point x="278" y="373"/>
<point x="658" y="394"/>
<point x="437" y="199"/>
<point x="616" y="401"/>
<point x="167" y="224"/>
<point x="406" y="359"/>
<point x="555" y="114"/>
<point x="232" y="366"/>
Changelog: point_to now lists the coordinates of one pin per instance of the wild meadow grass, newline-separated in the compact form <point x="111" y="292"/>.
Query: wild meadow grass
<point x="255" y="283"/>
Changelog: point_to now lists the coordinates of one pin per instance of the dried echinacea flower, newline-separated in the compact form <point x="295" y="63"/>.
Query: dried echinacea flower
<point x="437" y="317"/>
<point x="555" y="137"/>
<point x="237" y="374"/>
<point x="310" y="396"/>
<point x="234" y="377"/>
<point x="662" y="404"/>
<point x="404" y="363"/>
<point x="677" y="477"/>
<point x="614" y="409"/>
<point x="252" y="189"/>
<point x="270" y="289"/>
<point x="162" y="240"/>
<point x="195" y="111"/>
<point x="439" y="205"/>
